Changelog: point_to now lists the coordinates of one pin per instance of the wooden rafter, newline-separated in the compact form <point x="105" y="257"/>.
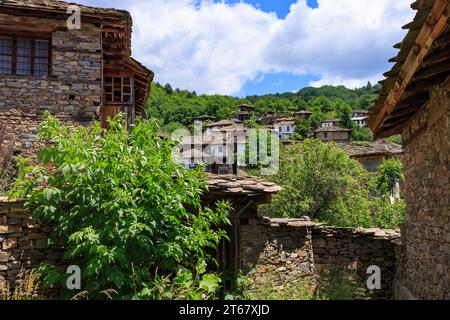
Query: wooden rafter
<point x="435" y="24"/>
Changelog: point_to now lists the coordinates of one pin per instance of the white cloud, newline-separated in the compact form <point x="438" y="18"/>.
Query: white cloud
<point x="216" y="48"/>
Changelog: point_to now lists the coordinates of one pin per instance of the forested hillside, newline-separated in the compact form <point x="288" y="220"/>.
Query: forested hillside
<point x="176" y="108"/>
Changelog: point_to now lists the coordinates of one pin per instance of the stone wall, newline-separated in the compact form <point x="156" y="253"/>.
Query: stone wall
<point x="283" y="247"/>
<point x="293" y="248"/>
<point x="426" y="270"/>
<point x="72" y="91"/>
<point x="73" y="87"/>
<point x="23" y="242"/>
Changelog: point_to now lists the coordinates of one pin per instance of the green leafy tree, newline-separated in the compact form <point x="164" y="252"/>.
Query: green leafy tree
<point x="390" y="209"/>
<point x="119" y="204"/>
<point x="302" y="129"/>
<point x="361" y="134"/>
<point x="390" y="174"/>
<point x="344" y="113"/>
<point x="321" y="181"/>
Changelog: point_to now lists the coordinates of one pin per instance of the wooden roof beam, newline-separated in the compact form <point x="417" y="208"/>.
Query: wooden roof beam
<point x="428" y="33"/>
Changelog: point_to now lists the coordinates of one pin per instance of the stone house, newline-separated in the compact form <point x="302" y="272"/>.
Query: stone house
<point x="303" y="114"/>
<point x="371" y="155"/>
<point x="336" y="134"/>
<point x="203" y="119"/>
<point x="360" y="117"/>
<point x="415" y="102"/>
<point x="330" y="123"/>
<point x="78" y="75"/>
<point x="214" y="128"/>
<point x="246" y="108"/>
<point x="284" y="129"/>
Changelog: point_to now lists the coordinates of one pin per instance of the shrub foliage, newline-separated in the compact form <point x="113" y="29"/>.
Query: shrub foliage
<point x="119" y="205"/>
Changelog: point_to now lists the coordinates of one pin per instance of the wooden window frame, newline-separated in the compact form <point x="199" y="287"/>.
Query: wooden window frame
<point x="119" y="86"/>
<point x="33" y="37"/>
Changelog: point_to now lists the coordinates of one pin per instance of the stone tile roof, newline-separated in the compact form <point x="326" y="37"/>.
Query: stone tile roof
<point x="222" y="123"/>
<point x="360" y="149"/>
<point x="306" y="222"/>
<point x="333" y="129"/>
<point x="241" y="184"/>
<point x="61" y="6"/>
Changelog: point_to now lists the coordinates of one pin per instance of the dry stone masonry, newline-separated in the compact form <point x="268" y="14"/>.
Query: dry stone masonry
<point x="23" y="242"/>
<point x="426" y="270"/>
<point x="294" y="248"/>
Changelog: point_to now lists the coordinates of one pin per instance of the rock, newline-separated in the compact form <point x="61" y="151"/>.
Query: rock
<point x="28" y="137"/>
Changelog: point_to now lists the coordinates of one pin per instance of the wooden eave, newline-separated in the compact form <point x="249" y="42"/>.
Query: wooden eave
<point x="423" y="61"/>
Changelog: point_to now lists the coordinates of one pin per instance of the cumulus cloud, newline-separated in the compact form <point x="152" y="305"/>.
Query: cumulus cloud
<point x="214" y="47"/>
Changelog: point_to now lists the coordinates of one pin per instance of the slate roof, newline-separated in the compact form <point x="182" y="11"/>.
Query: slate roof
<point x="333" y="129"/>
<point x="361" y="149"/>
<point x="240" y="184"/>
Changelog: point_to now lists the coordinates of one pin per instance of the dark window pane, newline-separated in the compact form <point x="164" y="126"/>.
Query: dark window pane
<point x="41" y="67"/>
<point x="5" y="55"/>
<point x="23" y="67"/>
<point x="41" y="49"/>
<point x="41" y="57"/>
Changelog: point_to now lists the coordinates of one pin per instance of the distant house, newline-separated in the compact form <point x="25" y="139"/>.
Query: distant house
<point x="330" y="123"/>
<point x="271" y="118"/>
<point x="217" y="126"/>
<point x="360" y="117"/>
<point x="371" y="155"/>
<point x="219" y="148"/>
<point x="246" y="108"/>
<point x="302" y="114"/>
<point x="204" y="119"/>
<point x="360" y="113"/>
<point x="243" y="115"/>
<point x="414" y="101"/>
<point x="245" y="112"/>
<point x="333" y="133"/>
<point x="284" y="129"/>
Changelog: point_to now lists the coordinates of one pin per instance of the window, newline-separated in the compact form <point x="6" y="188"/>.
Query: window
<point x="24" y="56"/>
<point x="280" y="129"/>
<point x="118" y="90"/>
<point x="288" y="129"/>
<point x="5" y="55"/>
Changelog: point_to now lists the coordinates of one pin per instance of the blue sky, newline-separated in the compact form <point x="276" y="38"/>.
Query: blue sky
<point x="264" y="46"/>
<point x="280" y="7"/>
<point x="281" y="81"/>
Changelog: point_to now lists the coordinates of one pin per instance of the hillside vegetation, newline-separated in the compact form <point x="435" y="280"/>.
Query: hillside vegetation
<point x="176" y="108"/>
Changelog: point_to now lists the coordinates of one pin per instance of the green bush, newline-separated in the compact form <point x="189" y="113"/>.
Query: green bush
<point x="321" y="181"/>
<point x="119" y="204"/>
<point x="362" y="134"/>
<point x="389" y="215"/>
